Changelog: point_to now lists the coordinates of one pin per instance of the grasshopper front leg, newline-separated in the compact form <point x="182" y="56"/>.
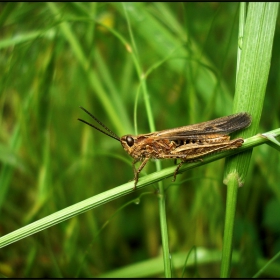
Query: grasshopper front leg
<point x="137" y="172"/>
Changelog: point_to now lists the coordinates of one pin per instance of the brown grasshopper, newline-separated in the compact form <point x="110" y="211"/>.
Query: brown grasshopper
<point x="187" y="143"/>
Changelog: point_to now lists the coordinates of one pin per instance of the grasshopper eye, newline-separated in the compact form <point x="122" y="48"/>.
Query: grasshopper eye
<point x="129" y="140"/>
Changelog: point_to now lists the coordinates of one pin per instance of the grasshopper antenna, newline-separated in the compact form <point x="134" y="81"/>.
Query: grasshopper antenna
<point x="110" y="134"/>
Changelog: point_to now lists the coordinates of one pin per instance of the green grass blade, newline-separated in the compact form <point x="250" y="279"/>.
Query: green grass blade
<point x="249" y="97"/>
<point x="162" y="208"/>
<point x="117" y="192"/>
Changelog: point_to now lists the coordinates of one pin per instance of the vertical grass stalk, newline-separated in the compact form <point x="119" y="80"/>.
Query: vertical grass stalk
<point x="162" y="210"/>
<point x="252" y="76"/>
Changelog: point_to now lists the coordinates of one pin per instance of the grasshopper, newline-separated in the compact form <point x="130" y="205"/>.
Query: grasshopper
<point x="187" y="143"/>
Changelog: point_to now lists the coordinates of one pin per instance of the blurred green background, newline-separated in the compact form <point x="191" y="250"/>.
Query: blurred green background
<point x="55" y="57"/>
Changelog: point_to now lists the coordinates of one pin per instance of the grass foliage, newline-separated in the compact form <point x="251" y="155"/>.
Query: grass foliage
<point x="65" y="195"/>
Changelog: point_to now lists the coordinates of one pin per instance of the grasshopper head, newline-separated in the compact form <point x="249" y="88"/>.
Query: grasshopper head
<point x="128" y="142"/>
